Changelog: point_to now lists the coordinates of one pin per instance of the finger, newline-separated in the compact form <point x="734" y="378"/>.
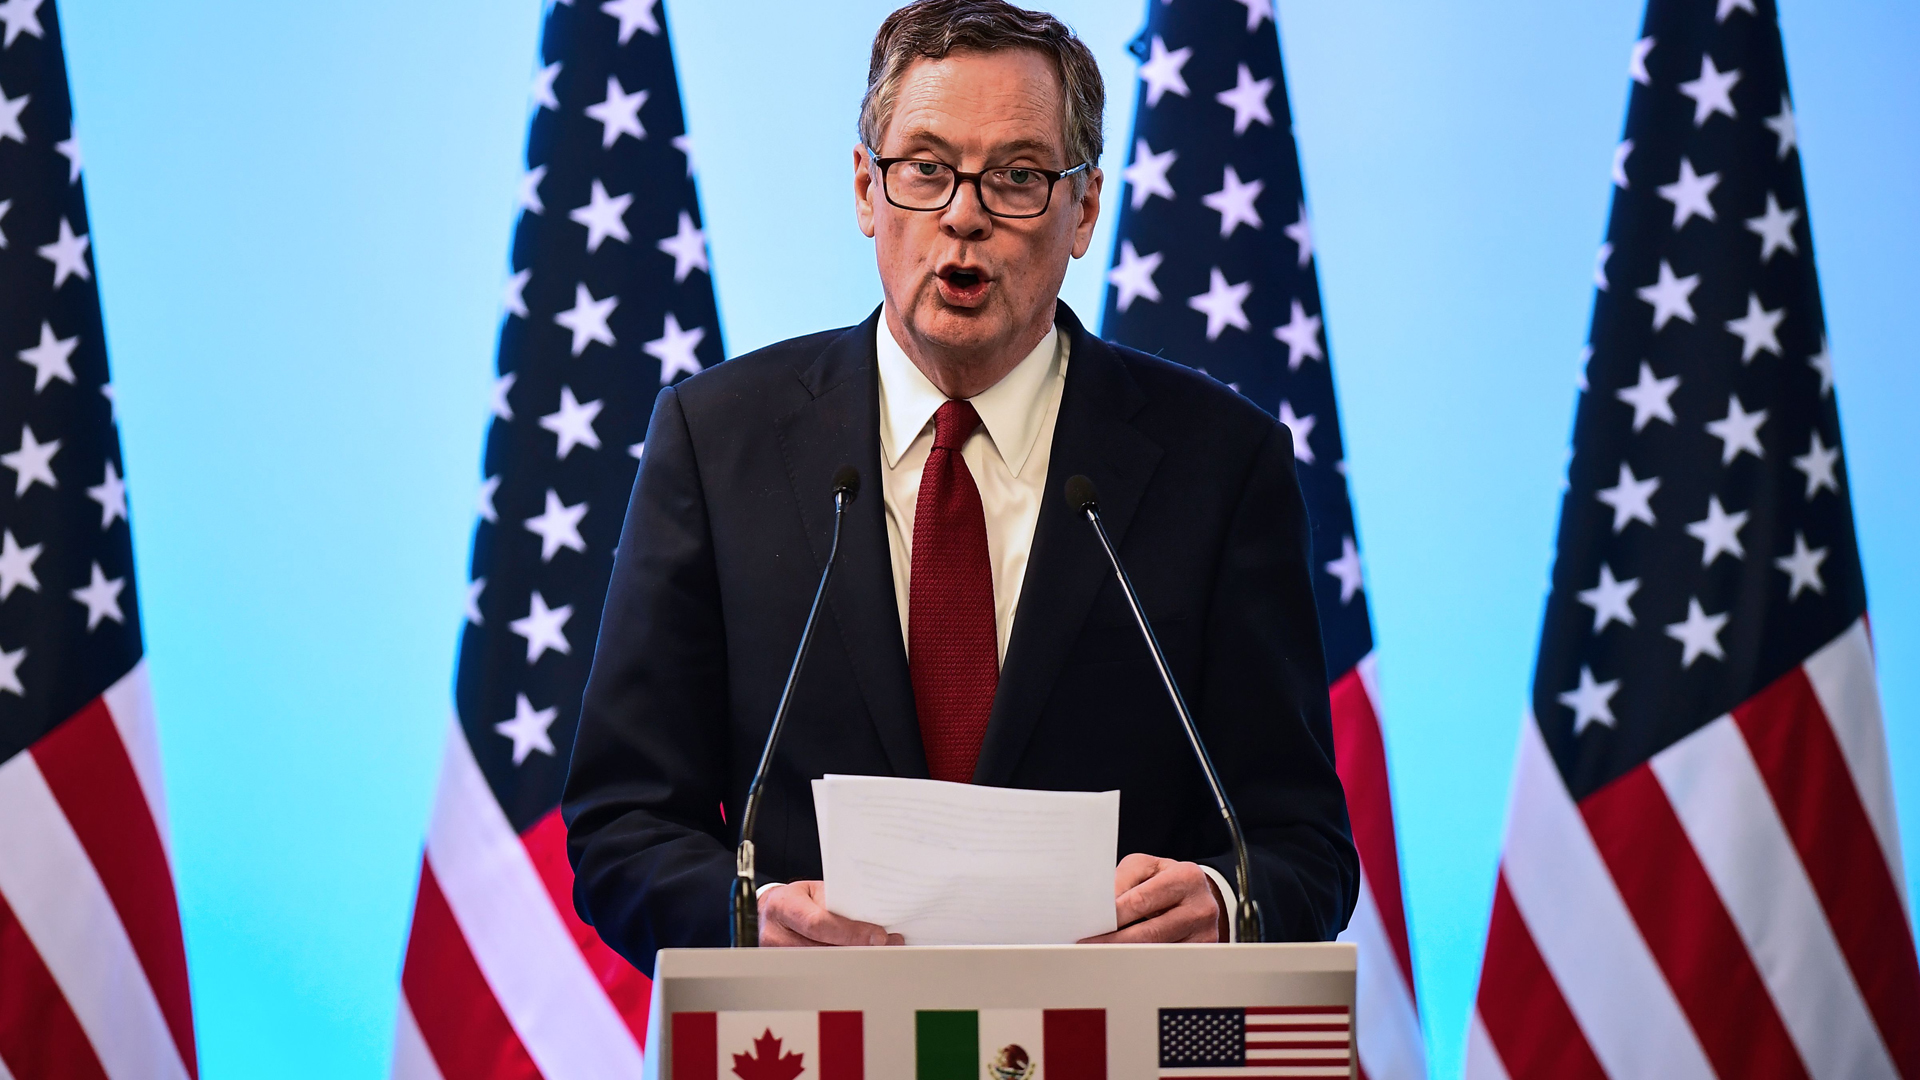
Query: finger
<point x="1133" y="870"/>
<point x="1184" y="923"/>
<point x="797" y="907"/>
<point x="1165" y="890"/>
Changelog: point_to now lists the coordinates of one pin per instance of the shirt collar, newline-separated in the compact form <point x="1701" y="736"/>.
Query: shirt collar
<point x="1011" y="410"/>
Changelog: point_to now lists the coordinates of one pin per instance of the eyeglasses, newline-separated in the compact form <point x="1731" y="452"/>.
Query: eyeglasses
<point x="1010" y="191"/>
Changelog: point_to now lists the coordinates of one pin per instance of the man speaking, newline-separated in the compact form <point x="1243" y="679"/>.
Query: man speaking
<point x="973" y="631"/>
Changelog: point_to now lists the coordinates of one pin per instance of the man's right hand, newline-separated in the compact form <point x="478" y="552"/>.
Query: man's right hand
<point x="796" y="915"/>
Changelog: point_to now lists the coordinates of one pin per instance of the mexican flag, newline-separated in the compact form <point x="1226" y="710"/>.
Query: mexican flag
<point x="1010" y="1044"/>
<point x="767" y="1046"/>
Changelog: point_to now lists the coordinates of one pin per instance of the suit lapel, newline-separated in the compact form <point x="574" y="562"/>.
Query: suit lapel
<point x="1066" y="569"/>
<point x="840" y="425"/>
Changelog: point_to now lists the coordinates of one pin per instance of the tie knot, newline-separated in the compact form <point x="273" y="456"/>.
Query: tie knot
<point x="953" y="425"/>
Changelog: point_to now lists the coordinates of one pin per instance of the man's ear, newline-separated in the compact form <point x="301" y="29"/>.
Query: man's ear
<point x="862" y="190"/>
<point x="1089" y="207"/>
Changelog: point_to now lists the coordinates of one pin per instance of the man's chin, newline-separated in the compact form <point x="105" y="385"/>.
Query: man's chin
<point x="960" y="329"/>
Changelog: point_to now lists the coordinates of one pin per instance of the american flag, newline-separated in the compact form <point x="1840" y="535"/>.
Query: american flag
<point x="1213" y="266"/>
<point x="1701" y="874"/>
<point x="1257" y="1041"/>
<point x="608" y="301"/>
<point x="93" y="972"/>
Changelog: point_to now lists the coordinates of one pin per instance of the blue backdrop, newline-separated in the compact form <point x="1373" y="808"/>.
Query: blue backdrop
<point x="301" y="215"/>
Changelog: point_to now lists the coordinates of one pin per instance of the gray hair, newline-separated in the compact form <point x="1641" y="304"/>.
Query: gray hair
<point x="936" y="28"/>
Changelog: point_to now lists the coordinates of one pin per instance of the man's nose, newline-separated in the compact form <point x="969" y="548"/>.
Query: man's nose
<point x="966" y="217"/>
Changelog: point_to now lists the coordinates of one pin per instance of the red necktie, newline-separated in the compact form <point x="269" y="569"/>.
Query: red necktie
<point x="952" y="651"/>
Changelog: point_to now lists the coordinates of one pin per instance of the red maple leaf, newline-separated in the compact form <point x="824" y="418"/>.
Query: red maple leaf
<point x="766" y="1062"/>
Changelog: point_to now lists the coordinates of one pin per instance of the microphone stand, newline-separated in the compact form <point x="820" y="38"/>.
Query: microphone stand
<point x="1247" y="921"/>
<point x="745" y="903"/>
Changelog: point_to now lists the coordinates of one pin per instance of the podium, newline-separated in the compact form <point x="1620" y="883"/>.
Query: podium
<point x="1052" y="1012"/>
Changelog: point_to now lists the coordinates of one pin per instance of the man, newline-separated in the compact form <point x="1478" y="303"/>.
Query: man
<point x="973" y="630"/>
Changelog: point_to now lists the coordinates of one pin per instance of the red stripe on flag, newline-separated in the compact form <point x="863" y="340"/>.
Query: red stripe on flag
<point x="696" y="1046"/>
<point x="843" y="1046"/>
<point x="1360" y="757"/>
<point x="1293" y="1010"/>
<point x="458" y="1016"/>
<point x="92" y="778"/>
<point x="627" y="987"/>
<point x="40" y="1038"/>
<point x="1522" y="1007"/>
<point x="1688" y="929"/>
<point x="1074" y="1044"/>
<point x="1807" y="775"/>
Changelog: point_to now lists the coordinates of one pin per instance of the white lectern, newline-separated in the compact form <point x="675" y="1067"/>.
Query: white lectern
<point x="1054" y="1012"/>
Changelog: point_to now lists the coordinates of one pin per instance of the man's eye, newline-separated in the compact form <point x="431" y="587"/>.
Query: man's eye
<point x="1020" y="176"/>
<point x="926" y="168"/>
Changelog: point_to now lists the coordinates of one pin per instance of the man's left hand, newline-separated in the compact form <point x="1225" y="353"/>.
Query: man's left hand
<point x="1159" y="899"/>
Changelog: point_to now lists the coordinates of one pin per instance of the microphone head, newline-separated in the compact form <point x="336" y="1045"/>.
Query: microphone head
<point x="846" y="481"/>
<point x="1081" y="494"/>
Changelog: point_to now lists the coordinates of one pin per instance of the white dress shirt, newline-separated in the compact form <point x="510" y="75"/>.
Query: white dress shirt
<point x="1007" y="455"/>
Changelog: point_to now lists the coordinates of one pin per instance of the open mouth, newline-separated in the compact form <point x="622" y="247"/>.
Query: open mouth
<point x="964" y="286"/>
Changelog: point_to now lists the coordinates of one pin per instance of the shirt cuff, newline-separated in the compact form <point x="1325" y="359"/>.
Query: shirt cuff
<point x="762" y="890"/>
<point x="1227" y="897"/>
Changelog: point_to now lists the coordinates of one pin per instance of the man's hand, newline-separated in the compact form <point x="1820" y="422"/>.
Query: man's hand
<point x="1159" y="899"/>
<point x="796" y="915"/>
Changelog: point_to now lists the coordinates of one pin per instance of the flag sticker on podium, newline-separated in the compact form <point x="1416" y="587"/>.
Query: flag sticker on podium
<point x="1010" y="1044"/>
<point x="768" y="1046"/>
<point x="1283" y="1040"/>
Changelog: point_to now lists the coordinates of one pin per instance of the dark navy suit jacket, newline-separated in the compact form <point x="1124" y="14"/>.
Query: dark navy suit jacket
<point x="723" y="545"/>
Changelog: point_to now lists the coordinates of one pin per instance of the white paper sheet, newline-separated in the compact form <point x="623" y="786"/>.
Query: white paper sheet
<point x="956" y="864"/>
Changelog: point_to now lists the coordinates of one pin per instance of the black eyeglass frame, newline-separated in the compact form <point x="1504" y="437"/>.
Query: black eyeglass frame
<point x="1054" y="176"/>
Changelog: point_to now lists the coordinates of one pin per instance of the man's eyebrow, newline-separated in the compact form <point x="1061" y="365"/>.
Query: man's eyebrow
<point x="927" y="138"/>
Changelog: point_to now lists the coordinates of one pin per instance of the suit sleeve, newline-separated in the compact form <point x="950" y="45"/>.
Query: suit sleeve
<point x="651" y="857"/>
<point x="1265" y="714"/>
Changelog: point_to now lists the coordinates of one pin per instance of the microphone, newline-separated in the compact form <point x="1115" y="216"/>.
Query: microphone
<point x="1085" y="500"/>
<point x="745" y="904"/>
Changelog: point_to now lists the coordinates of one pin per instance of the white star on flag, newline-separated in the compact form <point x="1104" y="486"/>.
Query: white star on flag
<point x="1591" y="702"/>
<point x="16" y="565"/>
<point x="573" y="424"/>
<point x="1637" y="63"/>
<point x="1738" y="431"/>
<point x="542" y="93"/>
<point x="1728" y="7"/>
<point x="474" y="589"/>
<point x="1301" y="427"/>
<point x="1347" y="569"/>
<point x="1134" y="276"/>
<point x="558" y="527"/>
<point x="1691" y="195"/>
<point x="1775" y="229"/>
<point x="32" y="463"/>
<point x="1301" y="233"/>
<point x="1822" y="362"/>
<point x="1817" y="465"/>
<point x="68" y="254"/>
<point x="1620" y="155"/>
<point x="1222" y="304"/>
<point x="102" y="598"/>
<point x="619" y="114"/>
<point x="1148" y="174"/>
<point x="528" y="197"/>
<point x="1610" y="599"/>
<point x="501" y="386"/>
<point x="1758" y="329"/>
<point x="1600" y="265"/>
<point x="21" y="17"/>
<point x="69" y="148"/>
<point x="674" y="349"/>
<point x="587" y="318"/>
<point x="1782" y="125"/>
<point x="1711" y="92"/>
<point x="1670" y="296"/>
<point x="1699" y="635"/>
<point x="1256" y="11"/>
<point x="1802" y="567"/>
<point x="1248" y="100"/>
<point x="1651" y="398"/>
<point x="10" y="671"/>
<point x="544" y="628"/>
<point x="10" y="110"/>
<point x="1161" y="72"/>
<point x="1234" y="202"/>
<point x="514" y="297"/>
<point x="688" y="246"/>
<point x="51" y="359"/>
<point x="603" y="216"/>
<point x="1718" y="532"/>
<point x="111" y="494"/>
<point x="633" y="15"/>
<point x="5" y="205"/>
<point x="1631" y="498"/>
<point x="528" y="728"/>
<point x="684" y="144"/>
<point x="1302" y="335"/>
<point x="483" y="503"/>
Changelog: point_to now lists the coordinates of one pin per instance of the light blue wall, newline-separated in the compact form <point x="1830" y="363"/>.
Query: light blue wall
<point x="301" y="214"/>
